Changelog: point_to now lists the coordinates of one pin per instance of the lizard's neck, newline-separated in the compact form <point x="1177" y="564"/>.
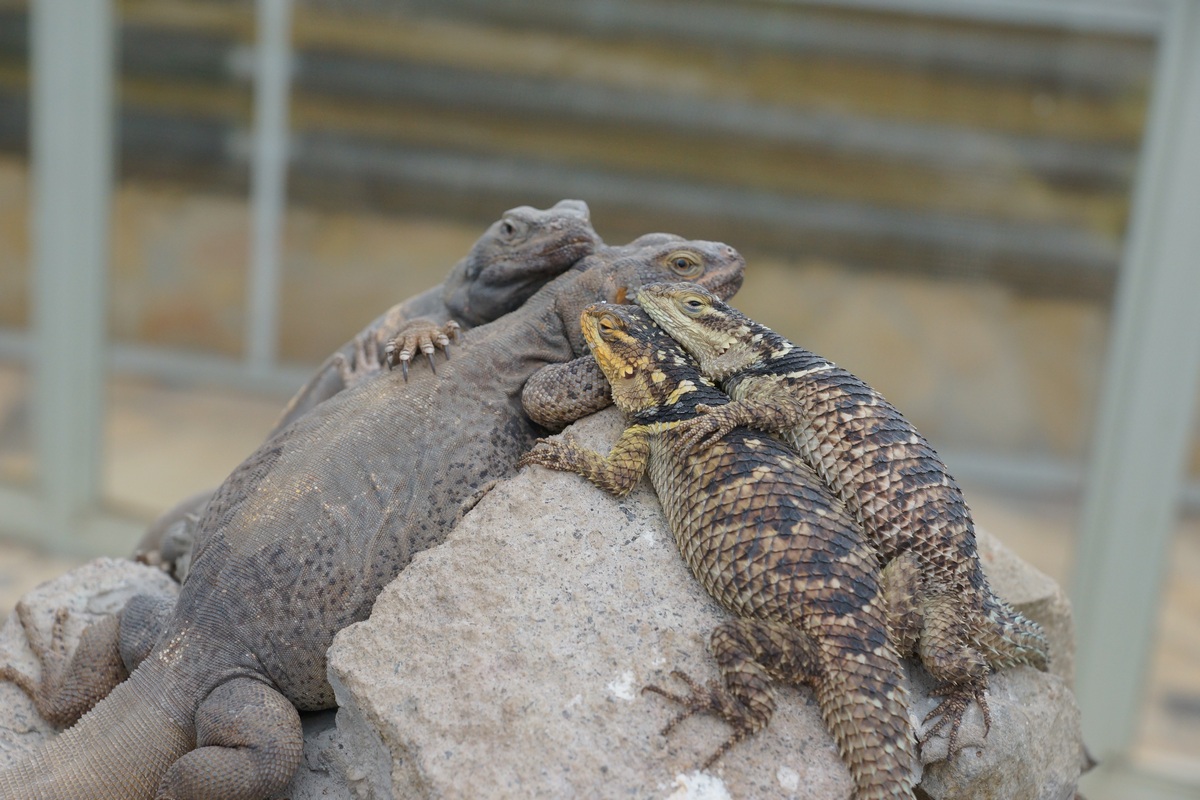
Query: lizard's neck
<point x="680" y="401"/>
<point x="775" y="355"/>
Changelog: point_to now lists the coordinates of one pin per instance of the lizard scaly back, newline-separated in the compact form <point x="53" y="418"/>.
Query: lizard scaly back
<point x="300" y="539"/>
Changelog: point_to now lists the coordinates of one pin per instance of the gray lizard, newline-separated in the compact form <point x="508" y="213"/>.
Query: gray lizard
<point x="514" y="258"/>
<point x="299" y="540"/>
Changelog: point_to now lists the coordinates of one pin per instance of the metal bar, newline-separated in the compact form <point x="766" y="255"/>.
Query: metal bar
<point x="1133" y="484"/>
<point x="940" y="146"/>
<point x="268" y="189"/>
<point x="72" y="58"/>
<point x="775" y="26"/>
<point x="102" y="533"/>
<point x="1097" y="16"/>
<point x="1157" y="781"/>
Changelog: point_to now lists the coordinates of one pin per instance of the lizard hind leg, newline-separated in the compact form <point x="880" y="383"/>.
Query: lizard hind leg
<point x="142" y="621"/>
<point x="961" y="670"/>
<point x="750" y="654"/>
<point x="248" y="745"/>
<point x="71" y="683"/>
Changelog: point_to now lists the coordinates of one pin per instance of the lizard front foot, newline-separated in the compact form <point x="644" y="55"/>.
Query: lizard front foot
<point x="558" y="454"/>
<point x="706" y="429"/>
<point x="710" y="698"/>
<point x="364" y="362"/>
<point x="423" y="335"/>
<point x="949" y="712"/>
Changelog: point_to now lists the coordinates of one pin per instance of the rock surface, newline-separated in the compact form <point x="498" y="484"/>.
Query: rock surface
<point x="510" y="661"/>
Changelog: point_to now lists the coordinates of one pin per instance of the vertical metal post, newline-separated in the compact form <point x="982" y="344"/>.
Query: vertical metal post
<point x="72" y="62"/>
<point x="268" y="178"/>
<point x="1142" y="434"/>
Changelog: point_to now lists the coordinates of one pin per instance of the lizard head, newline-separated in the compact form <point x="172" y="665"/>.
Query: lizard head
<point x="718" y="336"/>
<point x="515" y="257"/>
<point x="615" y="275"/>
<point x="647" y="369"/>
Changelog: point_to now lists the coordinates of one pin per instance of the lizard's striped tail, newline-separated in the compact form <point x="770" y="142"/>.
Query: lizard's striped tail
<point x="865" y="706"/>
<point x="1007" y="638"/>
<point x="118" y="751"/>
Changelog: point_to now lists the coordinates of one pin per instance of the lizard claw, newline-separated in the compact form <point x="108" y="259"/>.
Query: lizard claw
<point x="711" y="697"/>
<point x="949" y="713"/>
<point x="704" y="430"/>
<point x="420" y="335"/>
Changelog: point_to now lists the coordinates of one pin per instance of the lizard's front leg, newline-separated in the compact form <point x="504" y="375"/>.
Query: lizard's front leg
<point x="617" y="473"/>
<point x="422" y="334"/>
<point x="713" y="422"/>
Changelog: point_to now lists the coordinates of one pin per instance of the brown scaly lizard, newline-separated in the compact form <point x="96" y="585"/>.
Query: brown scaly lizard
<point x="300" y="539"/>
<point x="767" y="539"/>
<point x="941" y="606"/>
<point x="514" y="258"/>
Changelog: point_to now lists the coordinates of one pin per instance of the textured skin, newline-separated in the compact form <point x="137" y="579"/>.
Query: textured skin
<point x="302" y="536"/>
<point x="562" y="393"/>
<point x="767" y="539"/>
<point x="515" y="257"/>
<point x="63" y="692"/>
<point x="942" y="608"/>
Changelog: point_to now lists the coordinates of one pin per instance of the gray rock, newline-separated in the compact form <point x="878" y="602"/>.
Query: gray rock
<point x="1034" y="750"/>
<point x="510" y="661"/>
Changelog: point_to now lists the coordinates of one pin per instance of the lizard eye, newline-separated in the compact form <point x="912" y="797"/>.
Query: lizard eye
<point x="692" y="305"/>
<point x="609" y="324"/>
<point x="510" y="228"/>
<point x="685" y="264"/>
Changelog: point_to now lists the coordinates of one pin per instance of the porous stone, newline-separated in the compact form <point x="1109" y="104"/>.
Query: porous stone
<point x="511" y="659"/>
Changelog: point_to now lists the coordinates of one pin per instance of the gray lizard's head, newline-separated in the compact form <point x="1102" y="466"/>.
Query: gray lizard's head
<point x="515" y="257"/>
<point x="614" y="275"/>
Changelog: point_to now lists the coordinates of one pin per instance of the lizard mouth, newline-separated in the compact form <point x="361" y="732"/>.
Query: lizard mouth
<point x="727" y="288"/>
<point x="581" y="244"/>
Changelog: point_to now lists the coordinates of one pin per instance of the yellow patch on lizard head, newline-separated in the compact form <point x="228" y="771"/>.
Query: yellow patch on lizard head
<point x="619" y="341"/>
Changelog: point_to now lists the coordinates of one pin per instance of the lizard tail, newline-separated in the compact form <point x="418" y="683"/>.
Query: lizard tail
<point x="865" y="706"/>
<point x="118" y="751"/>
<point x="1007" y="638"/>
